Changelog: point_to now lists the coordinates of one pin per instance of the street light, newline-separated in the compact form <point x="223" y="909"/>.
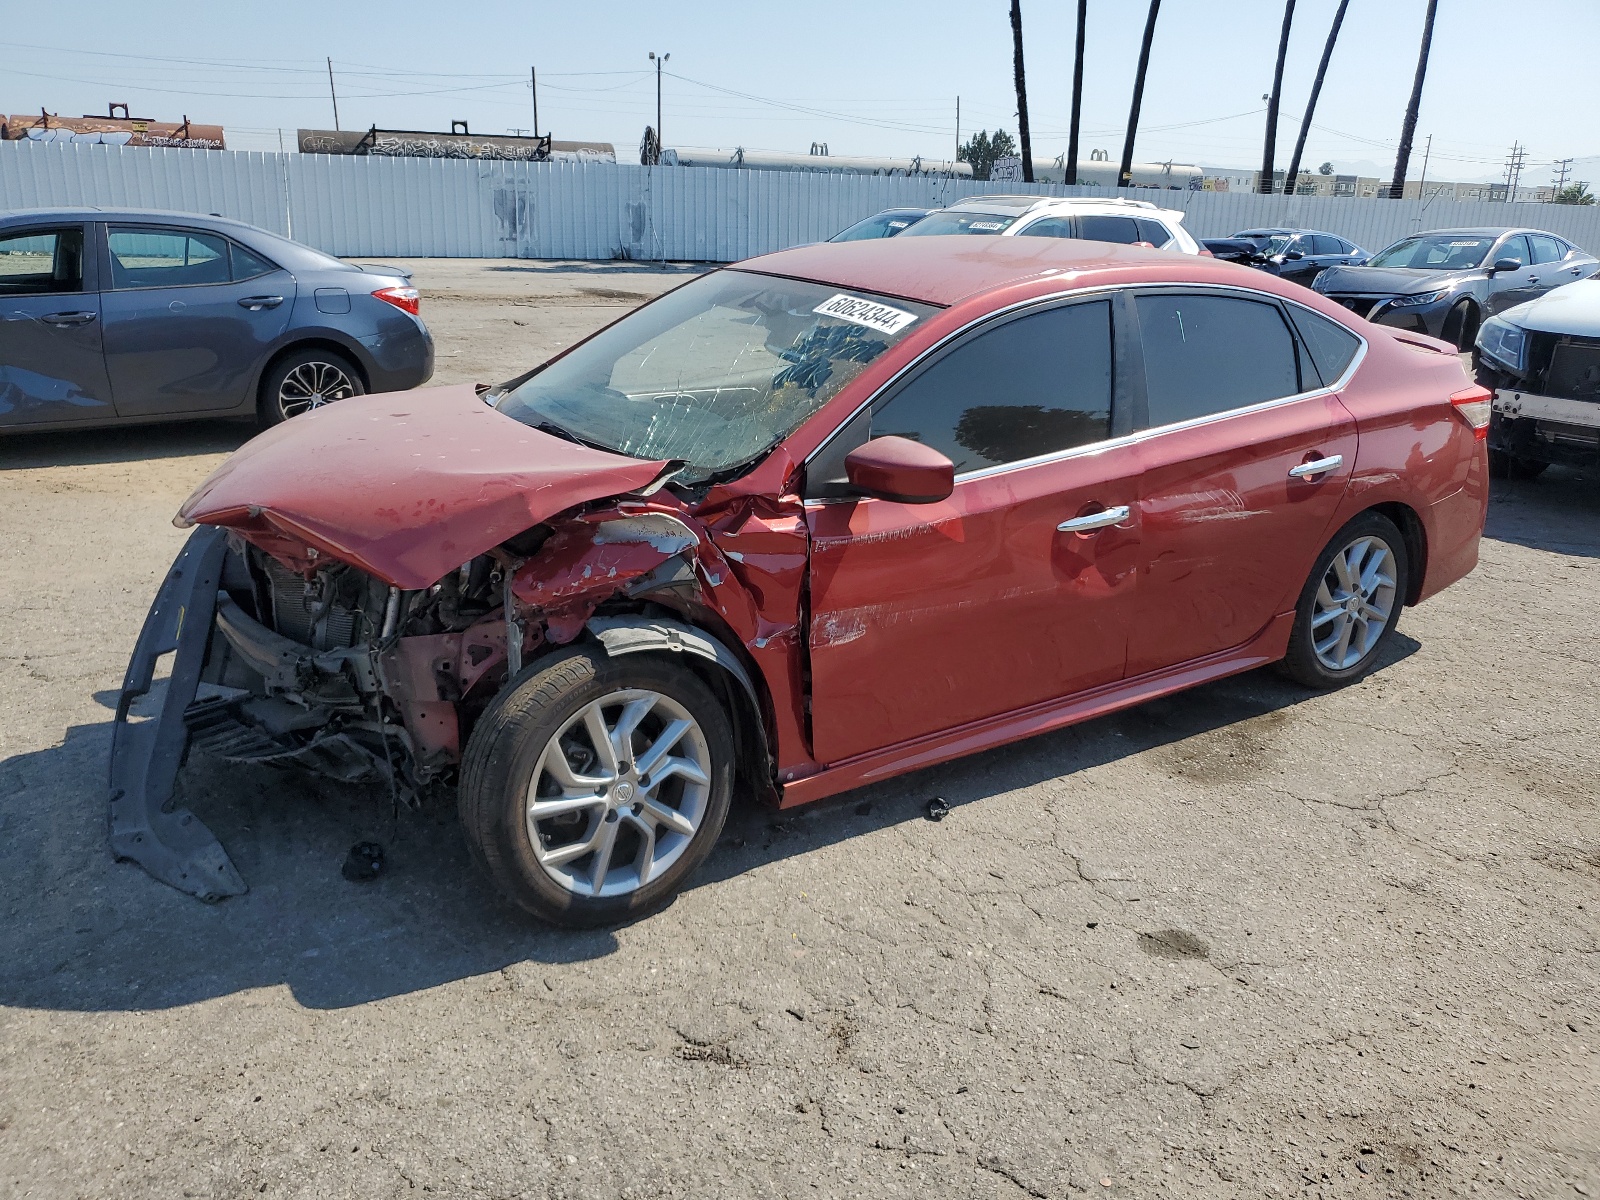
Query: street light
<point x="658" y="62"/>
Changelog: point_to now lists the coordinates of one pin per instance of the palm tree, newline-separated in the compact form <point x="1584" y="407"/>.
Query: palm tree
<point x="1316" y="90"/>
<point x="1269" y="150"/>
<point x="1077" y="95"/>
<point x="1125" y="172"/>
<point x="1397" y="185"/>
<point x="1022" y="91"/>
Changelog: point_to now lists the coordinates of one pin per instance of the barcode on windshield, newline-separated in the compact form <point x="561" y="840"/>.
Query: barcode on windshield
<point x="865" y="312"/>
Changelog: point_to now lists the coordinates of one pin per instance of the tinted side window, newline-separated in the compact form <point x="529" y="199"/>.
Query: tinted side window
<point x="1109" y="229"/>
<point x="1323" y="243"/>
<point x="1547" y="249"/>
<point x="1209" y="354"/>
<point x="1330" y="345"/>
<point x="145" y="258"/>
<point x="1516" y="247"/>
<point x="1031" y="386"/>
<point x="1060" y="227"/>
<point x="1154" y="232"/>
<point x="247" y="265"/>
<point x="41" y="261"/>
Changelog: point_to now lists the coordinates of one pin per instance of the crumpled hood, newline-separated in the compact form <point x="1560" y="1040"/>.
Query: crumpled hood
<point x="406" y="486"/>
<point x="1573" y="309"/>
<point x="1389" y="281"/>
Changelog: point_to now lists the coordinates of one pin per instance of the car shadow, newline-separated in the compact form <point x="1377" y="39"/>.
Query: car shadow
<point x="607" y="268"/>
<point x="83" y="933"/>
<point x="1559" y="512"/>
<point x="117" y="444"/>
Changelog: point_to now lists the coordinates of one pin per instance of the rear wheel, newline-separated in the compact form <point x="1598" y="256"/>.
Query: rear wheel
<point x="1350" y="604"/>
<point x="306" y="380"/>
<point x="593" y="787"/>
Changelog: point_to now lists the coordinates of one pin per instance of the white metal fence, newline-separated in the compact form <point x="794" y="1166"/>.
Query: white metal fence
<point x="416" y="207"/>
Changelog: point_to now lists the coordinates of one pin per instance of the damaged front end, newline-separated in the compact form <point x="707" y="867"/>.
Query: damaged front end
<point x="285" y="657"/>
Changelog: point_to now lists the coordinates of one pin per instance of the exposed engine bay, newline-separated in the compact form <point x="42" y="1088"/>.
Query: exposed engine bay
<point x="308" y="662"/>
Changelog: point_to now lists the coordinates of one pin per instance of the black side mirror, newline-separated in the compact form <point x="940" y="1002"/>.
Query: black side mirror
<point x="1293" y="255"/>
<point x="1505" y="264"/>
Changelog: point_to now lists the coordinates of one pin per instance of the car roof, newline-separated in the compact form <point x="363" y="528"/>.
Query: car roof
<point x="158" y="216"/>
<point x="944" y="270"/>
<point x="1018" y="205"/>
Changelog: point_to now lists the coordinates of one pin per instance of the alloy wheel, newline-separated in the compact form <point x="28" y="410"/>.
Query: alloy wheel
<point x="1354" y="602"/>
<point x="311" y="385"/>
<point x="619" y="793"/>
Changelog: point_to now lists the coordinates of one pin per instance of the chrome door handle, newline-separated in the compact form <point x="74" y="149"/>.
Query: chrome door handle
<point x="1099" y="520"/>
<point x="257" y="303"/>
<point x="1321" y="466"/>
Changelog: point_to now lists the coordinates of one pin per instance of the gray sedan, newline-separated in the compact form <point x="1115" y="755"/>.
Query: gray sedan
<point x="1445" y="283"/>
<point x="120" y="317"/>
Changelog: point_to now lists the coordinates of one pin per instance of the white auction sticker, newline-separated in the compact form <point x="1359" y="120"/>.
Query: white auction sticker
<point x="1473" y="242"/>
<point x="865" y="312"/>
<point x="987" y="225"/>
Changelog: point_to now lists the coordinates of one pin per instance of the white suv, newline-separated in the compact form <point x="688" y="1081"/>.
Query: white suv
<point x="1131" y="222"/>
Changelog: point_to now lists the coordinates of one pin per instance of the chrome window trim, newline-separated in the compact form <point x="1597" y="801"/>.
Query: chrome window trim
<point x="1129" y="439"/>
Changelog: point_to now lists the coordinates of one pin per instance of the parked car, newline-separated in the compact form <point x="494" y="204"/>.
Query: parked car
<point x="1541" y="360"/>
<point x="1297" y="254"/>
<point x="1130" y="222"/>
<point x="123" y="316"/>
<point x="1444" y="283"/>
<point x="803" y="524"/>
<point x="881" y="225"/>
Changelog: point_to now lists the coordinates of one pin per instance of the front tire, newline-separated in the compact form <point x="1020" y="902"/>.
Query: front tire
<point x="593" y="787"/>
<point x="303" y="381"/>
<point x="1349" y="605"/>
<point x="1461" y="326"/>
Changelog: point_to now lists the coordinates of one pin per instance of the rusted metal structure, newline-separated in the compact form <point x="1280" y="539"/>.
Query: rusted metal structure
<point x="112" y="130"/>
<point x="458" y="143"/>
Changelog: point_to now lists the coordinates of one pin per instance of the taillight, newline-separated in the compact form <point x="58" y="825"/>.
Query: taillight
<point x="407" y="299"/>
<point x="1474" y="404"/>
<point x="1204" y="253"/>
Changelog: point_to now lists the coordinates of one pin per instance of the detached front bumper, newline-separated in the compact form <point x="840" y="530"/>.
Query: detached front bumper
<point x="147" y="750"/>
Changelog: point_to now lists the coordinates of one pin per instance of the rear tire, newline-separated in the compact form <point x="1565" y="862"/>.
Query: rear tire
<point x="304" y="380"/>
<point x="1350" y="604"/>
<point x="583" y="829"/>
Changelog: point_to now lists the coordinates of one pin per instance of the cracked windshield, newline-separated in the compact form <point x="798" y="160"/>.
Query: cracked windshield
<point x="714" y="374"/>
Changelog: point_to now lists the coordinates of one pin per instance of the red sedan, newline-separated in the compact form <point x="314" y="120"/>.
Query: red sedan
<point x="805" y="523"/>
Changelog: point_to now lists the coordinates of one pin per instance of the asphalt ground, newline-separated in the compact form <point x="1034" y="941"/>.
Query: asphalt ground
<point x="1247" y="941"/>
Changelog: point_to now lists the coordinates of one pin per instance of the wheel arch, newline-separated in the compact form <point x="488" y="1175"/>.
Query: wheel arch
<point x="1416" y="537"/>
<point x="717" y="666"/>
<point x="316" y="342"/>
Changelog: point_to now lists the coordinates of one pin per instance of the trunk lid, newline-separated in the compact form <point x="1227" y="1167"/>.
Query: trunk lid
<point x="406" y="486"/>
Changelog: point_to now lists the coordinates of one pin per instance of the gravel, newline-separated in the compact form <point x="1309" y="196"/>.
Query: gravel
<point x="1244" y="941"/>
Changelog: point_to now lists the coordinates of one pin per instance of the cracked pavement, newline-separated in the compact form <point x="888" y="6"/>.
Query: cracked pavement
<point x="1246" y="941"/>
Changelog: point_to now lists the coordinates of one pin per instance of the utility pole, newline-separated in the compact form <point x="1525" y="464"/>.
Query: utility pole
<point x="1077" y="95"/>
<point x="1269" y="149"/>
<point x="533" y="86"/>
<point x="659" y="63"/>
<point x="1565" y="165"/>
<point x="957" y="158"/>
<point x="1022" y="91"/>
<point x="1514" y="163"/>
<point x="335" y="96"/>
<point x="1316" y="91"/>
<point x="1125" y="171"/>
<point x="1422" y="187"/>
<point x="1408" y="128"/>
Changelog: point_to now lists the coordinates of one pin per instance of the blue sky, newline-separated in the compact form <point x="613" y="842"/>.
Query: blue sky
<point x="866" y="78"/>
